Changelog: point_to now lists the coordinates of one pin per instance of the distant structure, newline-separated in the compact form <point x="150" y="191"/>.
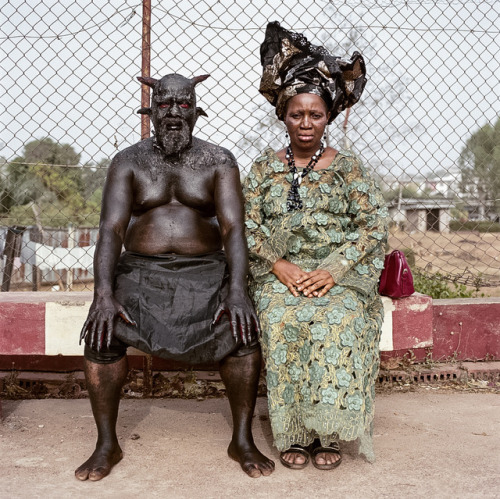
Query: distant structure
<point x="422" y="215"/>
<point x="441" y="192"/>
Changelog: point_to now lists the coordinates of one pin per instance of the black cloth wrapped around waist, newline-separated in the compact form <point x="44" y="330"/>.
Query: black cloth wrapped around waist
<point x="173" y="299"/>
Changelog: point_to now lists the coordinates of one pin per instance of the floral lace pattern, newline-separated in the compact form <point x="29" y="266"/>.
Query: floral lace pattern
<point x="322" y="354"/>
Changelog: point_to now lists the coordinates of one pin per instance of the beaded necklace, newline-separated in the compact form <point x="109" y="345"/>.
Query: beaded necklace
<point x="293" y="200"/>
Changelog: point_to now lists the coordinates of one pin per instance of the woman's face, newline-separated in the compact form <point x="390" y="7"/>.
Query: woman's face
<point x="305" y="119"/>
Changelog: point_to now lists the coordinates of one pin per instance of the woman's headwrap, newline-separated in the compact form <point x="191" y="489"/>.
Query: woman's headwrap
<point x="292" y="65"/>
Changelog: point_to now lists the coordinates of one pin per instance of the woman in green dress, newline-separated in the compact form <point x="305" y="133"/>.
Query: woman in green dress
<point x="316" y="229"/>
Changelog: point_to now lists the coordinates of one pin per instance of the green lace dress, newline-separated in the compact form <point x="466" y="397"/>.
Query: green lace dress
<point x="321" y="354"/>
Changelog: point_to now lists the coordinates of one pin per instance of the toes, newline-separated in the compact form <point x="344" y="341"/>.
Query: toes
<point x="268" y="468"/>
<point x="99" y="473"/>
<point x="294" y="458"/>
<point x="252" y="471"/>
<point x="82" y="474"/>
<point x="327" y="458"/>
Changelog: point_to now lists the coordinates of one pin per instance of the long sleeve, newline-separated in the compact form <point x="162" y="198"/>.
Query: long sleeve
<point x="358" y="262"/>
<point x="266" y="244"/>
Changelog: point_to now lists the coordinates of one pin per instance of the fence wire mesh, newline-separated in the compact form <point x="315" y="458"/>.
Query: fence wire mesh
<point x="428" y="124"/>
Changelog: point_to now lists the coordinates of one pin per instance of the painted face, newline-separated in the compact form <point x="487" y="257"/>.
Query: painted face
<point x="306" y="118"/>
<point x="173" y="113"/>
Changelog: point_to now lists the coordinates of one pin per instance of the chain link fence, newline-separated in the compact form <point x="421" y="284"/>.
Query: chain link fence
<point x="428" y="124"/>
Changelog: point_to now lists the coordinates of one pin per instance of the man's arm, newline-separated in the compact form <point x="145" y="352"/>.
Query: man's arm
<point x="230" y="215"/>
<point x="116" y="210"/>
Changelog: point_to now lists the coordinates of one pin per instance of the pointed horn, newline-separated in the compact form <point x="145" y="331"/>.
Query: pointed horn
<point x="150" y="82"/>
<point x="200" y="112"/>
<point x="145" y="110"/>
<point x="199" y="79"/>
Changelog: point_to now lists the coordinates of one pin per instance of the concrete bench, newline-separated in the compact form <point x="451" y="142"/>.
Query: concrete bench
<point x="40" y="330"/>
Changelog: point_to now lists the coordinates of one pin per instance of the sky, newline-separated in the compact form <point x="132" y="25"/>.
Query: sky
<point x="69" y="72"/>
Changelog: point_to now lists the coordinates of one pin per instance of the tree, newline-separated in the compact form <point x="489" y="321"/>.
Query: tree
<point x="44" y="166"/>
<point x="480" y="165"/>
<point x="47" y="186"/>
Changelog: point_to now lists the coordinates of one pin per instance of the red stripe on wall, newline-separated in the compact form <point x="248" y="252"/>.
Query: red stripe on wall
<point x="22" y="328"/>
<point x="466" y="330"/>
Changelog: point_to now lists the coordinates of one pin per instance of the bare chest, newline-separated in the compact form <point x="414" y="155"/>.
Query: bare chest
<point x="167" y="184"/>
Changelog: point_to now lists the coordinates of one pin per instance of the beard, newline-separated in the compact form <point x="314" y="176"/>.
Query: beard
<point x="173" y="137"/>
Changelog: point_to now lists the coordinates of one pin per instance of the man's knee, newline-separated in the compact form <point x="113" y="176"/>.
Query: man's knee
<point x="245" y="350"/>
<point x="109" y="355"/>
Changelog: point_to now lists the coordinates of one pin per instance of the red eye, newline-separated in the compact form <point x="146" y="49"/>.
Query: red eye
<point x="163" y="105"/>
<point x="184" y="106"/>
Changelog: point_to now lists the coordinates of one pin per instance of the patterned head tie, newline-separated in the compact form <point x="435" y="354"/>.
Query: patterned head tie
<point x="292" y="65"/>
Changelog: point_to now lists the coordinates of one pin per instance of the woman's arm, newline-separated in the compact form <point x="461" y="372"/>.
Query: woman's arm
<point x="266" y="244"/>
<point x="359" y="261"/>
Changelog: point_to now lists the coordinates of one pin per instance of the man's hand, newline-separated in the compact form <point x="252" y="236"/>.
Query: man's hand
<point x="289" y="274"/>
<point x="241" y="315"/>
<point x="98" y="328"/>
<point x="315" y="283"/>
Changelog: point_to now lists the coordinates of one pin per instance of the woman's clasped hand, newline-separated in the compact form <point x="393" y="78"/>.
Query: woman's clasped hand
<point x="315" y="283"/>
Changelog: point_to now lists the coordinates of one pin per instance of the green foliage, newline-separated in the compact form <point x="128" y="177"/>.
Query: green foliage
<point x="482" y="226"/>
<point x="437" y="287"/>
<point x="407" y="192"/>
<point x="480" y="163"/>
<point x="47" y="186"/>
<point x="54" y="214"/>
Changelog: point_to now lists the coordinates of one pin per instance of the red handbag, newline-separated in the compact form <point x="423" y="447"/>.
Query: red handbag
<point x="396" y="280"/>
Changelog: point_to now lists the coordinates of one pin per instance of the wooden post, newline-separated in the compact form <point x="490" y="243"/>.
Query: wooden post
<point x="36" y="236"/>
<point x="71" y="245"/>
<point x="146" y="66"/>
<point x="145" y="133"/>
<point x="12" y="249"/>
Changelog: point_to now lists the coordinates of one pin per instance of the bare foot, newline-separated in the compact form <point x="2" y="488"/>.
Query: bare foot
<point x="295" y="458"/>
<point x="251" y="460"/>
<point x="326" y="458"/>
<point x="99" y="464"/>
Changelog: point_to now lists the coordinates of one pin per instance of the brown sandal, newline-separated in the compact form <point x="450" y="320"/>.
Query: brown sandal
<point x="297" y="449"/>
<point x="333" y="448"/>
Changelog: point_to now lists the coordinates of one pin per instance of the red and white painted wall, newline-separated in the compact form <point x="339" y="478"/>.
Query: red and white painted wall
<point x="40" y="331"/>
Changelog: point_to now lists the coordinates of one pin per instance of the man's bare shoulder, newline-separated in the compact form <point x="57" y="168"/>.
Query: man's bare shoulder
<point x="213" y="154"/>
<point x="135" y="151"/>
<point x="131" y="157"/>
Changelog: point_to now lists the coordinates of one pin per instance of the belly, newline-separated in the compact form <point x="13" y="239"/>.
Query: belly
<point x="173" y="228"/>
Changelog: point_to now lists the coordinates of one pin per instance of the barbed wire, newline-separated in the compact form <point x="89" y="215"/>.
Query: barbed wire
<point x="83" y="30"/>
<point x="341" y="28"/>
<point x="404" y="3"/>
<point x="261" y="28"/>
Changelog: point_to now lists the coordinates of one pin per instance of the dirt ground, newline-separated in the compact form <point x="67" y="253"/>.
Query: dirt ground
<point x="459" y="253"/>
<point x="432" y="442"/>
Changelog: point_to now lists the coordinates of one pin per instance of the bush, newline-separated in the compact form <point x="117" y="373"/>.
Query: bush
<point x="483" y="226"/>
<point x="437" y="287"/>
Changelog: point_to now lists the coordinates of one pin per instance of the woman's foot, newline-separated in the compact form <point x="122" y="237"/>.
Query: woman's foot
<point x="325" y="458"/>
<point x="295" y="458"/>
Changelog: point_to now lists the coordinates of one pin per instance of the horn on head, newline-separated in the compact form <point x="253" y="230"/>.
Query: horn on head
<point x="201" y="112"/>
<point x="199" y="79"/>
<point x="150" y="82"/>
